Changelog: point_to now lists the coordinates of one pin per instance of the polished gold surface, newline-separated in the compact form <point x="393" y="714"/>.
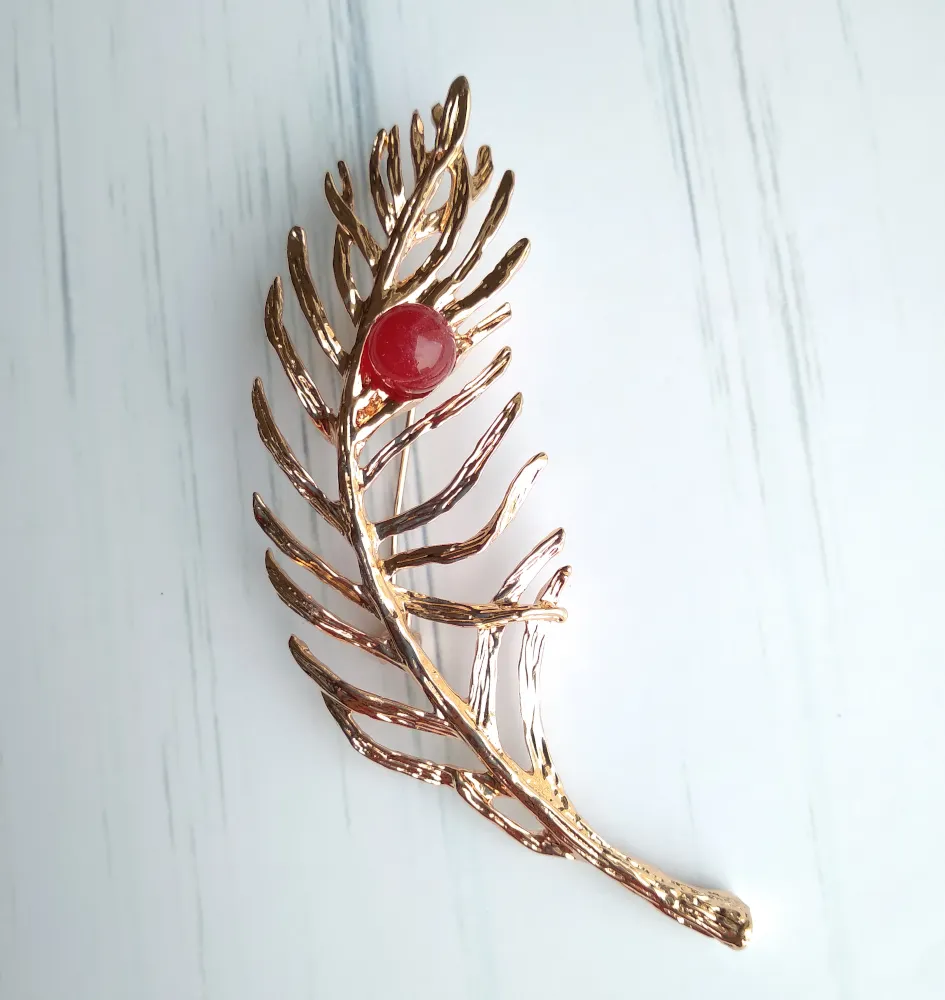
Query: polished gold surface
<point x="407" y="220"/>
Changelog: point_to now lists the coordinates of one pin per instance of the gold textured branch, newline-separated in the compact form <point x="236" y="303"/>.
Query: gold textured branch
<point x="437" y="609"/>
<point x="364" y="702"/>
<point x="342" y="205"/>
<point x="451" y="552"/>
<point x="305" y="388"/>
<point x="479" y="331"/>
<point x="308" y="608"/>
<point x="408" y="219"/>
<point x="443" y="290"/>
<point x="529" y="675"/>
<point x="386" y="213"/>
<point x="464" y="480"/>
<point x="290" y="546"/>
<point x="484" y="677"/>
<point x="470" y="392"/>
<point x="311" y="304"/>
<point x="512" y="260"/>
<point x="285" y="458"/>
<point x="344" y="276"/>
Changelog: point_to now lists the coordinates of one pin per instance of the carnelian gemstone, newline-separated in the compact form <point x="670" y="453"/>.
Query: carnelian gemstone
<point x="408" y="352"/>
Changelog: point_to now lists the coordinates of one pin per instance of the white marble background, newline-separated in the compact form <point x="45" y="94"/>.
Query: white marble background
<point x="730" y="339"/>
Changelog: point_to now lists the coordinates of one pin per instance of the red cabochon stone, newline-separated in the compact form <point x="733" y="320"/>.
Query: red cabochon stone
<point x="409" y="351"/>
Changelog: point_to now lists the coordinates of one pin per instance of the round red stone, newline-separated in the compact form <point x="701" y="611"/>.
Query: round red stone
<point x="409" y="351"/>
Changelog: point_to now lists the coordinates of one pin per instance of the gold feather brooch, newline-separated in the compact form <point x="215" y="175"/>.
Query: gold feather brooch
<point x="411" y="331"/>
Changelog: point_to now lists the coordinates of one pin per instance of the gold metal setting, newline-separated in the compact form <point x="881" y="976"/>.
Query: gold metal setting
<point x="408" y="220"/>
